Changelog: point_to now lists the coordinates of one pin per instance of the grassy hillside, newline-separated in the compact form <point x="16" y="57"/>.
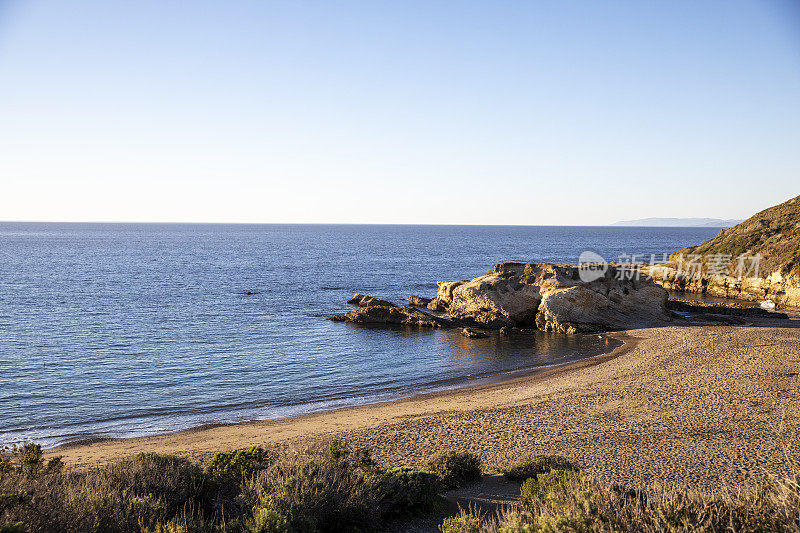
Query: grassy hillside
<point x="774" y="233"/>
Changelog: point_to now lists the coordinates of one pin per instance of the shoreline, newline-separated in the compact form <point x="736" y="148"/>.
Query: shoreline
<point x="688" y="404"/>
<point x="499" y="380"/>
<point x="497" y="377"/>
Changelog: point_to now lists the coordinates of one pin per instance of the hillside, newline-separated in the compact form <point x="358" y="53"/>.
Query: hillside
<point x="774" y="233"/>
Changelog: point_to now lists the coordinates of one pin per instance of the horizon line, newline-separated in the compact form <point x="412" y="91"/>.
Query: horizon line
<point x="617" y="224"/>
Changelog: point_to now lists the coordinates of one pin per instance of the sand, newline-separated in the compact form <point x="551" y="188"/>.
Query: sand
<point x="701" y="405"/>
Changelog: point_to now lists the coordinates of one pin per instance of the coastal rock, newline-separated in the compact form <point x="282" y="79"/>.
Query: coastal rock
<point x="729" y="309"/>
<point x="782" y="290"/>
<point x="728" y="261"/>
<point x="418" y="301"/>
<point x="473" y="334"/>
<point x="392" y="315"/>
<point x="552" y="298"/>
<point x="362" y="300"/>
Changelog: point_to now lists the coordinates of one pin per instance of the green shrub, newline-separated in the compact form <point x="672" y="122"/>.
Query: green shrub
<point x="567" y="501"/>
<point x="316" y="495"/>
<point x="173" y="481"/>
<point x="455" y="468"/>
<point x="517" y="521"/>
<point x="269" y="521"/>
<point x="463" y="522"/>
<point x="541" y="486"/>
<point x="337" y="451"/>
<point x="238" y="464"/>
<point x="404" y="490"/>
<point x="534" y="465"/>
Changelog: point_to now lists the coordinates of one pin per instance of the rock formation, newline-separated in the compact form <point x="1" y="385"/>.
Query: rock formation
<point x="773" y="235"/>
<point x="362" y="300"/>
<point x="392" y="315"/>
<point x="517" y="297"/>
<point x="552" y="298"/>
<point x="728" y="308"/>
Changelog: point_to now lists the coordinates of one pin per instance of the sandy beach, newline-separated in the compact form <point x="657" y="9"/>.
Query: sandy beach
<point x="707" y="405"/>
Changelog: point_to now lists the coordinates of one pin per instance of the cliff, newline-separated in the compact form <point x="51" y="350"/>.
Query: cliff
<point x="758" y="259"/>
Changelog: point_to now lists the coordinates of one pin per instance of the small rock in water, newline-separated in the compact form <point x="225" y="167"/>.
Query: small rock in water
<point x="473" y="334"/>
<point x="362" y="300"/>
<point x="391" y="314"/>
<point x="418" y="301"/>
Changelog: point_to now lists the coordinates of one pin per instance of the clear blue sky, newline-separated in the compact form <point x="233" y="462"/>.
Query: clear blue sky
<point x="579" y="112"/>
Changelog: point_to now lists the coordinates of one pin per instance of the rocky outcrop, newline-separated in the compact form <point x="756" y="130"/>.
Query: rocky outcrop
<point x="362" y="300"/>
<point x="517" y="297"/>
<point x="552" y="298"/>
<point x="729" y="309"/>
<point x="784" y="291"/>
<point x="392" y="315"/>
<point x="418" y="301"/>
<point x="725" y="265"/>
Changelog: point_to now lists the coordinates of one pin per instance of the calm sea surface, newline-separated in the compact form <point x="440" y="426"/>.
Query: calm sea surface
<point x="110" y="330"/>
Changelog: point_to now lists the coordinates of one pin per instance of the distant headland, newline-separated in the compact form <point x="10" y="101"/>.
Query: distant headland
<point x="680" y="222"/>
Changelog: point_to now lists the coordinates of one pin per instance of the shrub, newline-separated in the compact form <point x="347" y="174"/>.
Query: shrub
<point x="541" y="486"/>
<point x="134" y="494"/>
<point x="535" y="465"/>
<point x="238" y="464"/>
<point x="567" y="501"/>
<point x="174" y="481"/>
<point x="404" y="490"/>
<point x="30" y="459"/>
<point x="516" y="521"/>
<point x="315" y="495"/>
<point x="337" y="451"/>
<point x="463" y="522"/>
<point x="455" y="468"/>
<point x="269" y="521"/>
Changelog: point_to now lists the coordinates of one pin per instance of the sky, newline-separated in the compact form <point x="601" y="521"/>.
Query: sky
<point x="429" y="112"/>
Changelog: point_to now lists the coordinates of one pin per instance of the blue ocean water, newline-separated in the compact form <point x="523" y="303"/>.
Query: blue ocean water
<point x="114" y="330"/>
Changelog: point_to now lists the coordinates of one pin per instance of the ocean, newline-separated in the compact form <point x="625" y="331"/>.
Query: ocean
<point x="119" y="330"/>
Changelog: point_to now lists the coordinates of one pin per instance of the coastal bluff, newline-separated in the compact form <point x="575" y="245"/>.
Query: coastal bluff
<point x="771" y="236"/>
<point x="544" y="296"/>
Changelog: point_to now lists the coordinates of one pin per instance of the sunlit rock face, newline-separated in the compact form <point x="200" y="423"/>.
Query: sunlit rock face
<point x="552" y="298"/>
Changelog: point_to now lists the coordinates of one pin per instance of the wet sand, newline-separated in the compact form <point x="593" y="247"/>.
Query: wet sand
<point x="706" y="405"/>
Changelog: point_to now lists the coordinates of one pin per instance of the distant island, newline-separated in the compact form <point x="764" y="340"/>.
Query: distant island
<point x="680" y="222"/>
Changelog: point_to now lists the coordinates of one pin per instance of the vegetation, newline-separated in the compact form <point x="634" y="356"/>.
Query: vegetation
<point x="566" y="500"/>
<point x="329" y="489"/>
<point x="338" y="489"/>
<point x="531" y="466"/>
<point x="773" y="233"/>
<point x="455" y="468"/>
<point x="238" y="465"/>
<point x="463" y="522"/>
